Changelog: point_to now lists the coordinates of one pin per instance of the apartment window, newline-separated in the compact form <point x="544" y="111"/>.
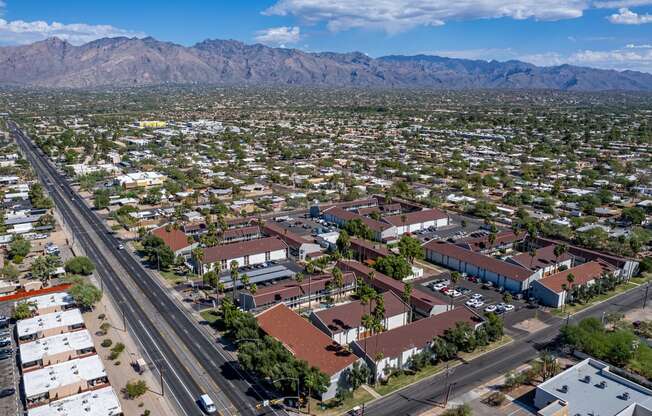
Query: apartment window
<point x="267" y="256"/>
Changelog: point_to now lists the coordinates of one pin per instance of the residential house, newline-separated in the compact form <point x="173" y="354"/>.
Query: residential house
<point x="44" y="326"/>
<point x="299" y="247"/>
<point x="100" y="402"/>
<point x="176" y="240"/>
<point x="544" y="260"/>
<point x="55" y="349"/>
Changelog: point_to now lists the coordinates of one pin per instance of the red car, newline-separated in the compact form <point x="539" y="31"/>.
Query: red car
<point x="445" y="289"/>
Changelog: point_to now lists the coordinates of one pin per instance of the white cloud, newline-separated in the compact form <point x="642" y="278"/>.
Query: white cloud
<point x="635" y="46"/>
<point x="279" y="35"/>
<point x="619" y="59"/>
<point x="395" y="16"/>
<point x="21" y="32"/>
<point x="628" y="17"/>
<point x="618" y="4"/>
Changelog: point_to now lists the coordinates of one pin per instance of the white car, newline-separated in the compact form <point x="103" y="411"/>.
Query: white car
<point x="507" y="307"/>
<point x="439" y="286"/>
<point x="476" y="296"/>
<point x="454" y="293"/>
<point x="471" y="303"/>
<point x="490" y="308"/>
<point x="120" y="246"/>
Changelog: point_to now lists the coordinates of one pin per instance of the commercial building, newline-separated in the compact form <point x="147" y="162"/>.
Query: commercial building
<point x="590" y="387"/>
<point x="343" y="323"/>
<point x="417" y="221"/>
<point x="44" y="326"/>
<point x="309" y="344"/>
<point x="140" y="180"/>
<point x="101" y="402"/>
<point x="502" y="274"/>
<point x="245" y="253"/>
<point x="64" y="380"/>
<point x="55" y="349"/>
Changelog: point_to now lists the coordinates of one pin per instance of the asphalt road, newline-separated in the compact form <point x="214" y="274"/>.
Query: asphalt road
<point x="525" y="347"/>
<point x="101" y="247"/>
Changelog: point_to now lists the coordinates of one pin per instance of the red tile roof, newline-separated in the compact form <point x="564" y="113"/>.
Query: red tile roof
<point x="344" y="317"/>
<point x="584" y="273"/>
<point x="346" y="216"/>
<point x="416" y="217"/>
<point x="417" y="334"/>
<point x="175" y="238"/>
<point x="241" y="232"/>
<point x="304" y="341"/>
<point x="290" y="288"/>
<point x="488" y="263"/>
<point x="292" y="239"/>
<point x="482" y="243"/>
<point x="243" y="248"/>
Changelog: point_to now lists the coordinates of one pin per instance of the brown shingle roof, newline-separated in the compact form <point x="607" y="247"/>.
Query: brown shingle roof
<point x="500" y="267"/>
<point x="292" y="239"/>
<point x="304" y="341"/>
<point x="243" y="248"/>
<point x="419" y="299"/>
<point x="344" y="317"/>
<point x="482" y="243"/>
<point x="583" y="273"/>
<point x="544" y="257"/>
<point x="416" y="334"/>
<point x="415" y="217"/>
<point x="290" y="288"/>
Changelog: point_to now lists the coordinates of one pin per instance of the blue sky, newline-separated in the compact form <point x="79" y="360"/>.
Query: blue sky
<point x="613" y="34"/>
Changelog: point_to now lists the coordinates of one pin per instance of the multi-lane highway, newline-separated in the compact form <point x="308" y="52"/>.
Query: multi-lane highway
<point x="236" y="394"/>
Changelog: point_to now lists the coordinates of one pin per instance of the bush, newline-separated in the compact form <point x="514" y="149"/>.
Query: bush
<point x="135" y="389"/>
<point x="146" y="412"/>
<point x="17" y="259"/>
<point x="80" y="265"/>
<point x="463" y="410"/>
<point x="101" y="317"/>
<point x="107" y="343"/>
<point x="22" y="311"/>
<point x="105" y="327"/>
<point x="116" y="351"/>
<point x="495" y="399"/>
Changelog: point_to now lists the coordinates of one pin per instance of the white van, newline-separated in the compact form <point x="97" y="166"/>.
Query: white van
<point x="207" y="403"/>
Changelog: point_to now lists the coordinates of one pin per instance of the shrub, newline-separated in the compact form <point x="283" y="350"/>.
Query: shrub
<point x="105" y="327"/>
<point x="116" y="350"/>
<point x="135" y="389"/>
<point x="496" y="399"/>
<point x="101" y="317"/>
<point x="80" y="265"/>
<point x="107" y="343"/>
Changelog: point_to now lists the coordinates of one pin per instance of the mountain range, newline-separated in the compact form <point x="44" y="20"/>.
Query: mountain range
<point x="137" y="62"/>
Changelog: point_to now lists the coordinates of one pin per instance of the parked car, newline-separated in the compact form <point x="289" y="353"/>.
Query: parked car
<point x="508" y="307"/>
<point x="473" y="303"/>
<point x="487" y="285"/>
<point x="490" y="308"/>
<point x="454" y="293"/>
<point x="7" y="392"/>
<point x="476" y="296"/>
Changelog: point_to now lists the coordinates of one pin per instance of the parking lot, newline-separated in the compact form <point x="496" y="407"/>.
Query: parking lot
<point x="467" y="289"/>
<point x="305" y="226"/>
<point x="9" y="375"/>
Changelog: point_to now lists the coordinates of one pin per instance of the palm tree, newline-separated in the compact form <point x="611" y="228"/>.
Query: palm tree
<point x="533" y="253"/>
<point x="559" y="250"/>
<point x="491" y="239"/>
<point x="198" y="254"/>
<point x="564" y="288"/>
<point x="570" y="278"/>
<point x="234" y="277"/>
<point x="407" y="295"/>
<point x="368" y="324"/>
<point x="338" y="279"/>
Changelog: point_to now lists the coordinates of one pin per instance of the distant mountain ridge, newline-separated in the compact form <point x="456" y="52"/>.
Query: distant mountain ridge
<point x="137" y="62"/>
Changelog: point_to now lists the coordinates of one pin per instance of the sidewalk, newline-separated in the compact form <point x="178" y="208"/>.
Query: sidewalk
<point x="122" y="373"/>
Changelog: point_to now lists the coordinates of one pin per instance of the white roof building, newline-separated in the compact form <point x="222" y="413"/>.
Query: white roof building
<point x="82" y="371"/>
<point x="55" y="345"/>
<point x="48" y="322"/>
<point x="101" y="402"/>
<point x="59" y="300"/>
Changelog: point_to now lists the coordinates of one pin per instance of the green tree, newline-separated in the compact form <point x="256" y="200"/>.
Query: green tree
<point x="101" y="199"/>
<point x="633" y="215"/>
<point x="80" y="265"/>
<point x="411" y="248"/>
<point x="358" y="375"/>
<point x="344" y="243"/>
<point x="44" y="266"/>
<point x="85" y="294"/>
<point x="394" y="266"/>
<point x="9" y="272"/>
<point x="135" y="389"/>
<point x="22" y="310"/>
<point x="19" y="247"/>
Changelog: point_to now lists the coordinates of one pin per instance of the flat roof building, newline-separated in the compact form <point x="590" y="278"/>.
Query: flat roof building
<point x="63" y="380"/>
<point x="52" y="302"/>
<point x="43" y="326"/>
<point x="591" y="388"/>
<point x="55" y="349"/>
<point x="101" y="402"/>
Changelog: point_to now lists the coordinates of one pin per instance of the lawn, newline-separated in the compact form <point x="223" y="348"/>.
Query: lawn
<point x="359" y="396"/>
<point x="573" y="309"/>
<point x="399" y="381"/>
<point x="641" y="279"/>
<point x="209" y="315"/>
<point x="405" y="379"/>
<point x="172" y="277"/>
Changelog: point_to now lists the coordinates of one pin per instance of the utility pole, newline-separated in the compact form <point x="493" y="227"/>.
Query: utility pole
<point x="647" y="288"/>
